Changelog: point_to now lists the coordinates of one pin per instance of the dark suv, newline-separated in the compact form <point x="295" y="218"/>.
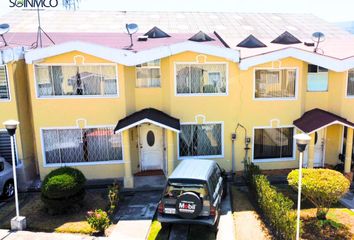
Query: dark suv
<point x="193" y="194"/>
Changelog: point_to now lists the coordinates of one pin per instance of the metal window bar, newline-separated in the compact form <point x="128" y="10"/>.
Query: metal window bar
<point x="4" y="85"/>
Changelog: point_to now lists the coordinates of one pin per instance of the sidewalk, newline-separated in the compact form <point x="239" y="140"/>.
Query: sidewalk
<point x="348" y="201"/>
<point x="26" y="235"/>
<point x="247" y="223"/>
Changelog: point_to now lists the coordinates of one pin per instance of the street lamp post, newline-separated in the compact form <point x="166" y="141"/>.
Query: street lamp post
<point x="18" y="222"/>
<point x="301" y="141"/>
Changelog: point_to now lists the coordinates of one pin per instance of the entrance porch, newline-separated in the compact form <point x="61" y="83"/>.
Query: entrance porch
<point x="331" y="138"/>
<point x="149" y="145"/>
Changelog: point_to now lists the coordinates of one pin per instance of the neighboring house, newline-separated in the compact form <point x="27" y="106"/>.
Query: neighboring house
<point x="112" y="112"/>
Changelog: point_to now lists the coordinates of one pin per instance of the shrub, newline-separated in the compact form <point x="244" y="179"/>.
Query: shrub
<point x="113" y="196"/>
<point x="323" y="187"/>
<point x="98" y="220"/>
<point x="276" y="208"/>
<point x="63" y="188"/>
<point x="251" y="171"/>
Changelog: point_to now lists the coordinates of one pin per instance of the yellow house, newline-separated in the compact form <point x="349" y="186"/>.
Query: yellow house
<point x="113" y="111"/>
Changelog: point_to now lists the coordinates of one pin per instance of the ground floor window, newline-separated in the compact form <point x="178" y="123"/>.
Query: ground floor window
<point x="81" y="145"/>
<point x="273" y="143"/>
<point x="5" y="146"/>
<point x="200" y="140"/>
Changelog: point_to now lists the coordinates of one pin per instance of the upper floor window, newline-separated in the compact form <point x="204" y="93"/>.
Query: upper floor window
<point x="317" y="79"/>
<point x="201" y="78"/>
<point x="273" y="143"/>
<point x="350" y="84"/>
<point x="4" y="84"/>
<point x="148" y="74"/>
<point x="81" y="145"/>
<point x="200" y="140"/>
<point x="275" y="83"/>
<point x="72" y="80"/>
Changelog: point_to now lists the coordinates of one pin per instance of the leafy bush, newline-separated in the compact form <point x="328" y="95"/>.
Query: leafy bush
<point x="98" y="220"/>
<point x="63" y="188"/>
<point x="323" y="187"/>
<point x="251" y="171"/>
<point x="276" y="208"/>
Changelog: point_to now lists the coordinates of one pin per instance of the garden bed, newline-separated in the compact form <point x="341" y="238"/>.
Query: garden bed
<point x="38" y="219"/>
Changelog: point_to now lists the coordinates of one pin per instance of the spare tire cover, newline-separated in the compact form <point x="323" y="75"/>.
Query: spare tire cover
<point x="188" y="205"/>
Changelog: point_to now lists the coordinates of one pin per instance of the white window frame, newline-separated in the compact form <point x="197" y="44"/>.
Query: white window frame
<point x="276" y="98"/>
<point x="147" y="67"/>
<point x="265" y="160"/>
<point x="15" y="143"/>
<point x="8" y="83"/>
<point x="202" y="94"/>
<point x="316" y="74"/>
<point x="203" y="156"/>
<point x="346" y="86"/>
<point x="74" y="96"/>
<point x="107" y="162"/>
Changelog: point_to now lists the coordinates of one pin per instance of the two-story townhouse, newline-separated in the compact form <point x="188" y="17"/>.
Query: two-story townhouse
<point x="112" y="111"/>
<point x="14" y="104"/>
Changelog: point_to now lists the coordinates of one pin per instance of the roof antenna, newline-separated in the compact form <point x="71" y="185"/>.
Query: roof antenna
<point x="4" y="28"/>
<point x="40" y="30"/>
<point x="131" y="29"/>
<point x="318" y="37"/>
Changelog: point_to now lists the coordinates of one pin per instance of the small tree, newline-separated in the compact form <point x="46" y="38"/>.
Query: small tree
<point x="323" y="187"/>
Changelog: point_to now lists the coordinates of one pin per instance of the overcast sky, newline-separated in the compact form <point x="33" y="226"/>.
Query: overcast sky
<point x="330" y="10"/>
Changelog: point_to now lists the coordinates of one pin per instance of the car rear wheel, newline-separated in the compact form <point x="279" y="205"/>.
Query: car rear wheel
<point x="9" y="189"/>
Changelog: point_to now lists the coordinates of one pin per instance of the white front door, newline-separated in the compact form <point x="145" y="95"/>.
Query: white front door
<point x="319" y="149"/>
<point x="151" y="147"/>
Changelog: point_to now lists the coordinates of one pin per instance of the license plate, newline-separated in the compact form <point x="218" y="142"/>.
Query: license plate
<point x="170" y="210"/>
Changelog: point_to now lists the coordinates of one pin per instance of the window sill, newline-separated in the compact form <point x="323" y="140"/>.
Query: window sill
<point x="266" y="160"/>
<point x="49" y="165"/>
<point x="349" y="96"/>
<point x="275" y="99"/>
<point x="77" y="97"/>
<point x="200" y="94"/>
<point x="200" y="157"/>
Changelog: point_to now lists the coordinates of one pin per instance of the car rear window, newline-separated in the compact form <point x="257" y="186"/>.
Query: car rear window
<point x="174" y="189"/>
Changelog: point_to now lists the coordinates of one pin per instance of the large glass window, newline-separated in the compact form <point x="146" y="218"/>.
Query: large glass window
<point x="350" y="84"/>
<point x="94" y="80"/>
<point x="4" y="84"/>
<point x="317" y="79"/>
<point x="275" y="83"/>
<point x="148" y="74"/>
<point x="201" y="78"/>
<point x="81" y="145"/>
<point x="270" y="143"/>
<point x="200" y="140"/>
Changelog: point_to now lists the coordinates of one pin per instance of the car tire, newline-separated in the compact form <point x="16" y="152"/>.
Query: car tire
<point x="188" y="199"/>
<point x="165" y="225"/>
<point x="9" y="189"/>
<point x="214" y="228"/>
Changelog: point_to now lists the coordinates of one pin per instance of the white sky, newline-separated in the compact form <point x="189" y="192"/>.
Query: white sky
<point x="330" y="10"/>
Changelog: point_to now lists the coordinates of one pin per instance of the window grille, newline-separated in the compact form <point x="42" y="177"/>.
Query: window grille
<point x="350" y="85"/>
<point x="148" y="74"/>
<point x="4" y="84"/>
<point x="81" y="145"/>
<point x="200" y="140"/>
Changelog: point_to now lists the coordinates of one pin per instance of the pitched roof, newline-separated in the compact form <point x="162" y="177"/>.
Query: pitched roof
<point x="317" y="118"/>
<point x="149" y="115"/>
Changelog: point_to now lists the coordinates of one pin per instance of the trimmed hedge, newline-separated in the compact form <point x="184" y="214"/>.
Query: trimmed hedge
<point x="323" y="187"/>
<point x="275" y="207"/>
<point x="63" y="188"/>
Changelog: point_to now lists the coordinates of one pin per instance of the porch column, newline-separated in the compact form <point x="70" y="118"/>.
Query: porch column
<point x="311" y="151"/>
<point x="348" y="151"/>
<point x="128" y="176"/>
<point x="170" y="151"/>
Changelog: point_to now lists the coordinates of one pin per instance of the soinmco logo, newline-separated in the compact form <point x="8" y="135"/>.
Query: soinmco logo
<point x="33" y="3"/>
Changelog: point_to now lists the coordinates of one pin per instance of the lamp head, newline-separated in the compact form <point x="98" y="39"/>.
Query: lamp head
<point x="11" y="126"/>
<point x="302" y="140"/>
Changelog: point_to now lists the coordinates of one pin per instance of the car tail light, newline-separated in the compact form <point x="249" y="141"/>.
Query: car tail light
<point x="160" y="207"/>
<point x="212" y="211"/>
